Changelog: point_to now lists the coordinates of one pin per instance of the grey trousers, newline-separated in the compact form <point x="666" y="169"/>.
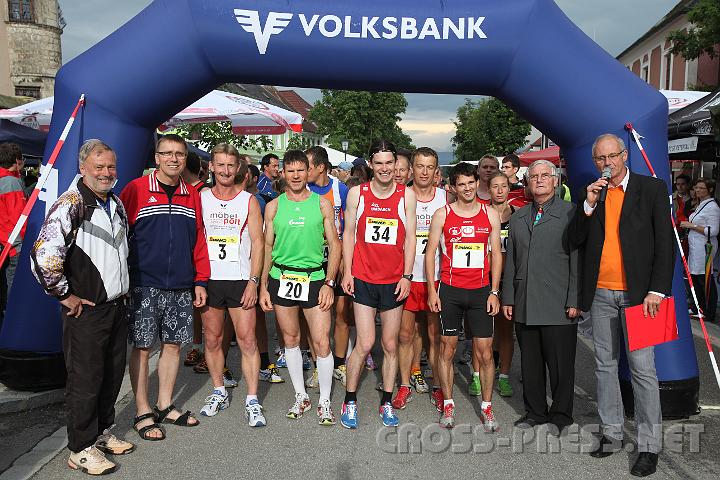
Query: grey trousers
<point x="608" y="318"/>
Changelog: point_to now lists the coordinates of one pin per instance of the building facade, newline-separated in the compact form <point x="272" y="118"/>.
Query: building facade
<point x="649" y="57"/>
<point x="30" y="49"/>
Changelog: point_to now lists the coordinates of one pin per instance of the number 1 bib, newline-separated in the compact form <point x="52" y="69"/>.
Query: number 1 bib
<point x="468" y="255"/>
<point x="224" y="248"/>
<point x="294" y="287"/>
<point x="381" y="231"/>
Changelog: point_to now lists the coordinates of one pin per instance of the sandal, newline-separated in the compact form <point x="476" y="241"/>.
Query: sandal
<point x="181" y="421"/>
<point x="142" y="431"/>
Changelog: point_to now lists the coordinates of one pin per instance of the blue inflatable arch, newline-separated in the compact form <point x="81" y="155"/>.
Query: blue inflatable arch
<point x="526" y="52"/>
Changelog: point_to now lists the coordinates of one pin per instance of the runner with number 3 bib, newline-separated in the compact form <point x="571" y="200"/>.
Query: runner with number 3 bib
<point x="297" y="225"/>
<point x="379" y="253"/>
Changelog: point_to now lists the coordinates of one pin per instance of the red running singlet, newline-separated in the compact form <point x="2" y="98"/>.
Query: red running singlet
<point x="378" y="257"/>
<point x="465" y="260"/>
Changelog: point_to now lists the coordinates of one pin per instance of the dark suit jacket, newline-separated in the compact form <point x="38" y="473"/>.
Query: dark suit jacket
<point x="646" y="241"/>
<point x="540" y="273"/>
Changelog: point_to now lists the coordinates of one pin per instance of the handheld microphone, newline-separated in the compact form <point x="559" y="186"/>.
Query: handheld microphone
<point x="603" y="192"/>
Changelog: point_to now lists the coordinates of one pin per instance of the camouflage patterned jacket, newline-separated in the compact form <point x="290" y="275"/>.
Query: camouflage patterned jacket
<point x="82" y="247"/>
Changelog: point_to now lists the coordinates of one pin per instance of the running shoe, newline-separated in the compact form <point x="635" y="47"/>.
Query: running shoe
<point x="340" y="373"/>
<point x="437" y="398"/>
<point x="91" y="461"/>
<point x="281" y="362"/>
<point x="487" y="417"/>
<point x="215" y="402"/>
<point x="402" y="397"/>
<point x="254" y="414"/>
<point x="447" y="419"/>
<point x="193" y="357"/>
<point x="271" y="374"/>
<point x="307" y="361"/>
<point x="418" y="381"/>
<point x="228" y="379"/>
<point x="387" y="414"/>
<point x="348" y="415"/>
<point x="504" y="387"/>
<point x="475" y="387"/>
<point x="370" y="363"/>
<point x="301" y="405"/>
<point x="325" y="413"/>
<point x="312" y="380"/>
<point x="201" y="367"/>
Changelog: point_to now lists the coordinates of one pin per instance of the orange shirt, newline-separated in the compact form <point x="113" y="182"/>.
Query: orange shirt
<point x="612" y="271"/>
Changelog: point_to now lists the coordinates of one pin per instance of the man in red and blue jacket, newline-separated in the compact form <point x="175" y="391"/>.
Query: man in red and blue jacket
<point x="168" y="263"/>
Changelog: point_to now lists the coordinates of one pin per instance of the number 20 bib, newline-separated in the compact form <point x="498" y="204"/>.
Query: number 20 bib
<point x="294" y="287"/>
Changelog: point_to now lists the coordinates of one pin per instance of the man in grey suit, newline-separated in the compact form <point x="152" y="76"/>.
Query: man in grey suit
<point x="540" y="294"/>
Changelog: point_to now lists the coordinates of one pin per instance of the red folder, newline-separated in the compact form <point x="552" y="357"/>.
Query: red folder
<point x="645" y="331"/>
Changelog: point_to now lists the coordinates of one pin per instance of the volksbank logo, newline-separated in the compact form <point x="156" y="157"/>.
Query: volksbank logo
<point x="387" y="28"/>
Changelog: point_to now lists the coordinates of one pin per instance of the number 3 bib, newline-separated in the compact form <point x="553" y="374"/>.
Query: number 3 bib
<point x="224" y="248"/>
<point x="294" y="287"/>
<point x="381" y="231"/>
<point x="468" y="255"/>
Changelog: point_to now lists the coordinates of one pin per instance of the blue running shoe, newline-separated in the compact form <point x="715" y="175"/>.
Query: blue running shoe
<point x="348" y="415"/>
<point x="254" y="414"/>
<point x="307" y="361"/>
<point x="281" y="362"/>
<point x="387" y="413"/>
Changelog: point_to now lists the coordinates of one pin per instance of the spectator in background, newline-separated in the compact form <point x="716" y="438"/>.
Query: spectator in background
<point x="353" y="182"/>
<point x="362" y="172"/>
<point x="403" y="167"/>
<point x="487" y="166"/>
<point x="251" y="187"/>
<point x="564" y="189"/>
<point x="343" y="171"/>
<point x="270" y="165"/>
<point x="30" y="181"/>
<point x="510" y="167"/>
<point x="12" y="203"/>
<point x="193" y="171"/>
<point x="681" y="197"/>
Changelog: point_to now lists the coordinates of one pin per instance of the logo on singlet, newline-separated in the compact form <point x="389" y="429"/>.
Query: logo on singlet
<point x="377" y="208"/>
<point x="300" y="222"/>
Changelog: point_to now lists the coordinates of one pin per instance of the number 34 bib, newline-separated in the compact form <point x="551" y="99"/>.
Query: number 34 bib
<point x="382" y="231"/>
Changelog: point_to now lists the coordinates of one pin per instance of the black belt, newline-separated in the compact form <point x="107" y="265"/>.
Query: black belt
<point x="297" y="269"/>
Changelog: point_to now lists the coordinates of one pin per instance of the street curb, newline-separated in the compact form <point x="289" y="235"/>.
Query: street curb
<point x="13" y="402"/>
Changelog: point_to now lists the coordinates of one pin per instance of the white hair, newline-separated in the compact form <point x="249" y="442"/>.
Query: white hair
<point x="89" y="146"/>
<point x="538" y="163"/>
<point x="604" y="136"/>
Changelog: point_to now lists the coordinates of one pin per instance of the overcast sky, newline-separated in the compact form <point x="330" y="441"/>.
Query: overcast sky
<point x="613" y="24"/>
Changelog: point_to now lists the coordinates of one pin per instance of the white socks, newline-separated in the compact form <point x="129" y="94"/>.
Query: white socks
<point x="249" y="398"/>
<point x="293" y="357"/>
<point x="221" y="389"/>
<point x="325" y="375"/>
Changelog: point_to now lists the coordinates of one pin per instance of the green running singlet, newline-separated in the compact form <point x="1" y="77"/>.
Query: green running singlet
<point x="299" y="236"/>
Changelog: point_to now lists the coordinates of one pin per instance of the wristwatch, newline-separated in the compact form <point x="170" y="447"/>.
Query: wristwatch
<point x="255" y="279"/>
<point x="495" y="292"/>
<point x="330" y="283"/>
<point x="409" y="276"/>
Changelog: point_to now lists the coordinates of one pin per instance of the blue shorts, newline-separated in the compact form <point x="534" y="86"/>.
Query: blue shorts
<point x="155" y="314"/>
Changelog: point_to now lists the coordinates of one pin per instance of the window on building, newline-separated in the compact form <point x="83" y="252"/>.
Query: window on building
<point x="32" y="92"/>
<point x="645" y="73"/>
<point x="21" y="10"/>
<point x="668" y="70"/>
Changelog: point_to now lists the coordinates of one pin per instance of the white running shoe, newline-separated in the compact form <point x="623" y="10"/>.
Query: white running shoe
<point x="302" y="404"/>
<point x="215" y="402"/>
<point x="340" y="373"/>
<point x="91" y="461"/>
<point x="312" y="380"/>
<point x="254" y="414"/>
<point x="325" y="413"/>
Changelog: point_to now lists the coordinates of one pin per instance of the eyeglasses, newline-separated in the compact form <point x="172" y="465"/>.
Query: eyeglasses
<point x="541" y="176"/>
<point x="611" y="156"/>
<point x="178" y="155"/>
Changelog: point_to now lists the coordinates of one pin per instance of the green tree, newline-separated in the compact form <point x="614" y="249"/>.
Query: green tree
<point x="298" y="142"/>
<point x="487" y="126"/>
<point x="703" y="36"/>
<point x="360" y="118"/>
<point x="211" y="134"/>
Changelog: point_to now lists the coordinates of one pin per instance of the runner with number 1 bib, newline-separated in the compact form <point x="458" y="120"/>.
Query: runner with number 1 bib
<point x="297" y="225"/>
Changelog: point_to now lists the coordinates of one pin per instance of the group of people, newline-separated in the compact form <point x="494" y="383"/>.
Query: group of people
<point x="433" y="264"/>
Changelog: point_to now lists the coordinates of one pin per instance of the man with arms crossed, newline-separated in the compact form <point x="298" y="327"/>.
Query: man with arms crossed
<point x="379" y="253"/>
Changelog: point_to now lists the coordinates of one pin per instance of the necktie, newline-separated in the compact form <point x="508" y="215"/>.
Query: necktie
<point x="538" y="215"/>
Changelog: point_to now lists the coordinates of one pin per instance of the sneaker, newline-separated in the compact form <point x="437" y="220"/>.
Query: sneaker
<point x="193" y="357"/>
<point x="228" y="379"/>
<point x="324" y="412"/>
<point x="418" y="381"/>
<point x="307" y="361"/>
<point x="475" y="387"/>
<point x="254" y="414"/>
<point x="271" y="375"/>
<point x="91" y="461"/>
<point x="438" y="399"/>
<point x="215" y="402"/>
<point x="402" y="397"/>
<point x="487" y="417"/>
<point x="348" y="415"/>
<point x="447" y="419"/>
<point x="109" y="443"/>
<point x="387" y="414"/>
<point x="281" y="362"/>
<point x="340" y="373"/>
<point x="312" y="381"/>
<point x="370" y="363"/>
<point x="504" y="387"/>
<point x="201" y="367"/>
<point x="301" y="405"/>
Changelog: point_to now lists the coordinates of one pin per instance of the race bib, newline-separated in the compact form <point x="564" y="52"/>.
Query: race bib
<point x="468" y="255"/>
<point x="421" y="240"/>
<point x="224" y="248"/>
<point x="294" y="287"/>
<point x="381" y="230"/>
